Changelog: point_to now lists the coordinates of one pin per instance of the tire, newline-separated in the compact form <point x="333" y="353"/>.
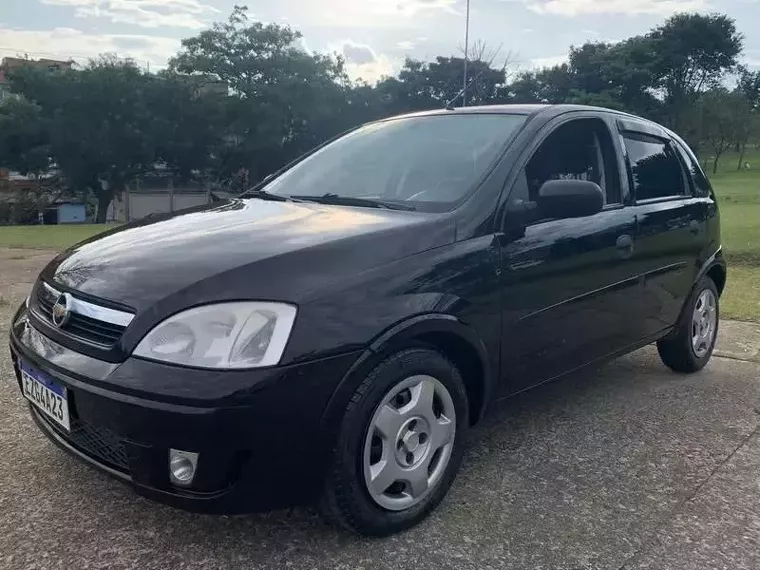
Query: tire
<point x="430" y="448"/>
<point x="680" y="351"/>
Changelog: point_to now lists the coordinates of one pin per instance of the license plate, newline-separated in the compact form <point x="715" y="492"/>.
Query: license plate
<point x="49" y="397"/>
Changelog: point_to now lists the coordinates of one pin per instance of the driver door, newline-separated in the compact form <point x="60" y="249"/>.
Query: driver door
<point x="567" y="284"/>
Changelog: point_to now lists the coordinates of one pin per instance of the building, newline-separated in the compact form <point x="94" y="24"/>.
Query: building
<point x="65" y="212"/>
<point x="8" y="64"/>
<point x="156" y="193"/>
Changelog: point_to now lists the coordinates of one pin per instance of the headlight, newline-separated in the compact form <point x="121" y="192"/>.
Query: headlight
<point x="225" y="335"/>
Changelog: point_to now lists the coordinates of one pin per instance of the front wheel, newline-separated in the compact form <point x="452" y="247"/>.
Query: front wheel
<point x="400" y="444"/>
<point x="694" y="341"/>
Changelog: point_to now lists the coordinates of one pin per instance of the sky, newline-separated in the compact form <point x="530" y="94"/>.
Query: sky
<point x="373" y="35"/>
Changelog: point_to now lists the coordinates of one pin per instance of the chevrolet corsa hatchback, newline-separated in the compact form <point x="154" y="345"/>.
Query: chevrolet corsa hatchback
<point x="333" y="334"/>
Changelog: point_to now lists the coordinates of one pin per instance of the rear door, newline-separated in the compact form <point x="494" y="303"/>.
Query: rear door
<point x="567" y="284"/>
<point x="671" y="223"/>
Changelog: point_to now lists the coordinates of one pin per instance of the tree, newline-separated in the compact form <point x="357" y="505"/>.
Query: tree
<point x="693" y="53"/>
<point x="748" y="119"/>
<point x="188" y="121"/>
<point x="25" y="147"/>
<point x="622" y="73"/>
<point x="749" y="85"/>
<point x="24" y="137"/>
<point x="718" y="121"/>
<point x="283" y="99"/>
<point x="101" y="128"/>
<point x="548" y="85"/>
<point x="111" y="122"/>
<point x="432" y="85"/>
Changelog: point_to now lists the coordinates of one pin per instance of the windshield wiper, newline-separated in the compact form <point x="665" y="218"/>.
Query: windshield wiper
<point x="264" y="195"/>
<point x="338" y="200"/>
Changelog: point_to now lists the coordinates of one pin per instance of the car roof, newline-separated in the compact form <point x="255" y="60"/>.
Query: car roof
<point x="547" y="112"/>
<point x="522" y="109"/>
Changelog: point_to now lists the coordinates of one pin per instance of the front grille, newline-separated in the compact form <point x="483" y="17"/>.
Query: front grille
<point x="100" y="443"/>
<point x="78" y="325"/>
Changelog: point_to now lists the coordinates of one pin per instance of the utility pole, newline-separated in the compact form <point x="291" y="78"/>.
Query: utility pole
<point x="466" y="49"/>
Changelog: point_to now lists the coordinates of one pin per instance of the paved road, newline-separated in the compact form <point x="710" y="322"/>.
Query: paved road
<point x="628" y="466"/>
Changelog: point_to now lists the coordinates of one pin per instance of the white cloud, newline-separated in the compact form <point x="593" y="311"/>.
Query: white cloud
<point x="362" y="62"/>
<point x="578" y="7"/>
<point x="405" y="45"/>
<point x="67" y="43"/>
<point x="373" y="71"/>
<point x="144" y="13"/>
<point x="410" y="14"/>
<point x="551" y="61"/>
<point x="412" y="7"/>
<point x="355" y="52"/>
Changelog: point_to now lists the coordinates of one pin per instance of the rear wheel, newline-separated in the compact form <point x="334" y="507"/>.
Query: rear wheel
<point x="399" y="446"/>
<point x="694" y="341"/>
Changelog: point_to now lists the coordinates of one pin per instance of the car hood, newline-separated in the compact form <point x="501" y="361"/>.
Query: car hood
<point x="243" y="248"/>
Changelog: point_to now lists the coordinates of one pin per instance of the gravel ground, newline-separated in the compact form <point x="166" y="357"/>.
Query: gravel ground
<point x="628" y="466"/>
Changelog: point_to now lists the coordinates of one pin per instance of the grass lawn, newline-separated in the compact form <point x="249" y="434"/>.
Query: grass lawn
<point x="738" y="194"/>
<point x="741" y="299"/>
<point x="49" y="237"/>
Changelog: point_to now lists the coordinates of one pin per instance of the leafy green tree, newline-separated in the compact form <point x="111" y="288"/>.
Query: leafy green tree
<point x="749" y="85"/>
<point x="25" y="148"/>
<point x="101" y="128"/>
<point x="434" y="84"/>
<point x="621" y="74"/>
<point x="548" y="85"/>
<point x="24" y="137"/>
<point x="749" y="114"/>
<point x="746" y="121"/>
<point x="693" y="53"/>
<point x="717" y="121"/>
<point x="189" y="115"/>
<point x="283" y="99"/>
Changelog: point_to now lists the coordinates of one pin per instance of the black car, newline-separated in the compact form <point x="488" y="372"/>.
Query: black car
<point x="333" y="333"/>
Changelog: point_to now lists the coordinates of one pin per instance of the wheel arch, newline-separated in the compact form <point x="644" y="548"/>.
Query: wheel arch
<point x="714" y="268"/>
<point x="445" y="333"/>
<point x="717" y="273"/>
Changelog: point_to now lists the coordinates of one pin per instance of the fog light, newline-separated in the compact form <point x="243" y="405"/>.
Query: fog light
<point x="182" y="466"/>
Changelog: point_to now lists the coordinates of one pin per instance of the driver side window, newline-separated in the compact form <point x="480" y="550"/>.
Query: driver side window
<point x="578" y="150"/>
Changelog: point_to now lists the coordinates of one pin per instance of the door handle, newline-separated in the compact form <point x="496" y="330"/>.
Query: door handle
<point x="624" y="246"/>
<point x="694" y="227"/>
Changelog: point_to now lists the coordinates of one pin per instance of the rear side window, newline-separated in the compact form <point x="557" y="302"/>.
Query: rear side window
<point x="701" y="185"/>
<point x="655" y="169"/>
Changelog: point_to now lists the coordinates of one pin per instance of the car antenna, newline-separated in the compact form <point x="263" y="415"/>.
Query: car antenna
<point x="450" y="103"/>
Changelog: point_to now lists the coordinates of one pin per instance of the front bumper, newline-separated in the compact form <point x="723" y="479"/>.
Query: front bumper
<point x="259" y="433"/>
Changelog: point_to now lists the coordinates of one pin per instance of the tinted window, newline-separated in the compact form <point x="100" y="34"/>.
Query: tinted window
<point x="430" y="162"/>
<point x="701" y="185"/>
<point x="655" y="169"/>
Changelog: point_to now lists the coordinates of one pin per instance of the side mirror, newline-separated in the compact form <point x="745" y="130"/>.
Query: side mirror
<point x="570" y="199"/>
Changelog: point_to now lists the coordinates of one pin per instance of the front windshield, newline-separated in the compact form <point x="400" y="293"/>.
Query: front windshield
<point x="429" y="162"/>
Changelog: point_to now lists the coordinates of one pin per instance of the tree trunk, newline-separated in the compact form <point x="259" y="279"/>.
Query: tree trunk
<point x="40" y="202"/>
<point x="104" y="200"/>
<point x="741" y="156"/>
<point x="715" y="163"/>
